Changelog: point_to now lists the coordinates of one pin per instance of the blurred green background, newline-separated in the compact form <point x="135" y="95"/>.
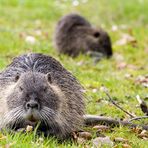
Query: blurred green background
<point x="28" y="26"/>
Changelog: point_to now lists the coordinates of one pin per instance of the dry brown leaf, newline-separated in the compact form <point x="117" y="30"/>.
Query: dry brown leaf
<point x="143" y="134"/>
<point x="146" y="50"/>
<point x="126" y="146"/>
<point x="22" y="35"/>
<point x="121" y="65"/>
<point x="143" y="80"/>
<point x="136" y="130"/>
<point x="120" y="139"/>
<point x="85" y="135"/>
<point x="126" y="39"/>
<point x="101" y="128"/>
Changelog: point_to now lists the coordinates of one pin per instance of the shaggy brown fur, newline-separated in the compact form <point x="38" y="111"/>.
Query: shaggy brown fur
<point x="75" y="35"/>
<point x="36" y="88"/>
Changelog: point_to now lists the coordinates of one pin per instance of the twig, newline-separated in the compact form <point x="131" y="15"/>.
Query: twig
<point x="138" y="118"/>
<point x="93" y="120"/>
<point x="113" y="102"/>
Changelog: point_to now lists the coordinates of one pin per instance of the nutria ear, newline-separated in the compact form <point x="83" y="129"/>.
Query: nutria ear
<point x="49" y="77"/>
<point x="16" y="78"/>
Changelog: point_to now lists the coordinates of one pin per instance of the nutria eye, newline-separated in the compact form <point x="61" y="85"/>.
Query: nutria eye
<point x="96" y="34"/>
<point x="45" y="89"/>
<point x="17" y="78"/>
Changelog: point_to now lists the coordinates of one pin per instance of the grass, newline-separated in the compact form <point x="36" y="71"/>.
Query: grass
<point x="19" y="17"/>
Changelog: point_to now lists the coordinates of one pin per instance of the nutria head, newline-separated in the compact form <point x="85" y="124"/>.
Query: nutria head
<point x="34" y="99"/>
<point x="92" y="39"/>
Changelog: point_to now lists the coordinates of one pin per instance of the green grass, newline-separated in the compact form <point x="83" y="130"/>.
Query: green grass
<point x="24" y="16"/>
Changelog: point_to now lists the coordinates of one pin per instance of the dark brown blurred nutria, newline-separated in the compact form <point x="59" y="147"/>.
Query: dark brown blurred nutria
<point x="36" y="88"/>
<point x="75" y="35"/>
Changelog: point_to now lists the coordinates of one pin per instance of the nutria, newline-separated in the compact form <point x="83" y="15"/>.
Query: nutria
<point x="37" y="89"/>
<point x="75" y="35"/>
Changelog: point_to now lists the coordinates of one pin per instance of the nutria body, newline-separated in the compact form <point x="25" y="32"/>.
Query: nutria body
<point x="75" y="35"/>
<point x="37" y="89"/>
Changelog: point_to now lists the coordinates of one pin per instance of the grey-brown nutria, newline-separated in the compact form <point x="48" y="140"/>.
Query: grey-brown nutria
<point x="75" y="35"/>
<point x="36" y="88"/>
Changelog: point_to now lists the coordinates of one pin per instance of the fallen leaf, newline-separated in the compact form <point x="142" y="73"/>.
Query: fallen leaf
<point x="29" y="128"/>
<point x="126" y="146"/>
<point x="143" y="134"/>
<point x="94" y="90"/>
<point x="121" y="65"/>
<point x="101" y="128"/>
<point x="143" y="80"/>
<point x="128" y="76"/>
<point x="101" y="141"/>
<point x="131" y="66"/>
<point x="22" y="34"/>
<point x="114" y="28"/>
<point x="38" y="32"/>
<point x="75" y="2"/>
<point x="126" y="39"/>
<point x="30" y="40"/>
<point x="120" y="139"/>
<point x="137" y="130"/>
<point x="85" y="135"/>
<point x="146" y="49"/>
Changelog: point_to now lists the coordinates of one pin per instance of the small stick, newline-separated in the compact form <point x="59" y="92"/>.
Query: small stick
<point x="113" y="102"/>
<point x="138" y="118"/>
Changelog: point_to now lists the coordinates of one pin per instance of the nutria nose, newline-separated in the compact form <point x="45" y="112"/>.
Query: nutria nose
<point x="32" y="105"/>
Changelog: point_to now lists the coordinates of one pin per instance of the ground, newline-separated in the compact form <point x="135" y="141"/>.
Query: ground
<point x="126" y="22"/>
